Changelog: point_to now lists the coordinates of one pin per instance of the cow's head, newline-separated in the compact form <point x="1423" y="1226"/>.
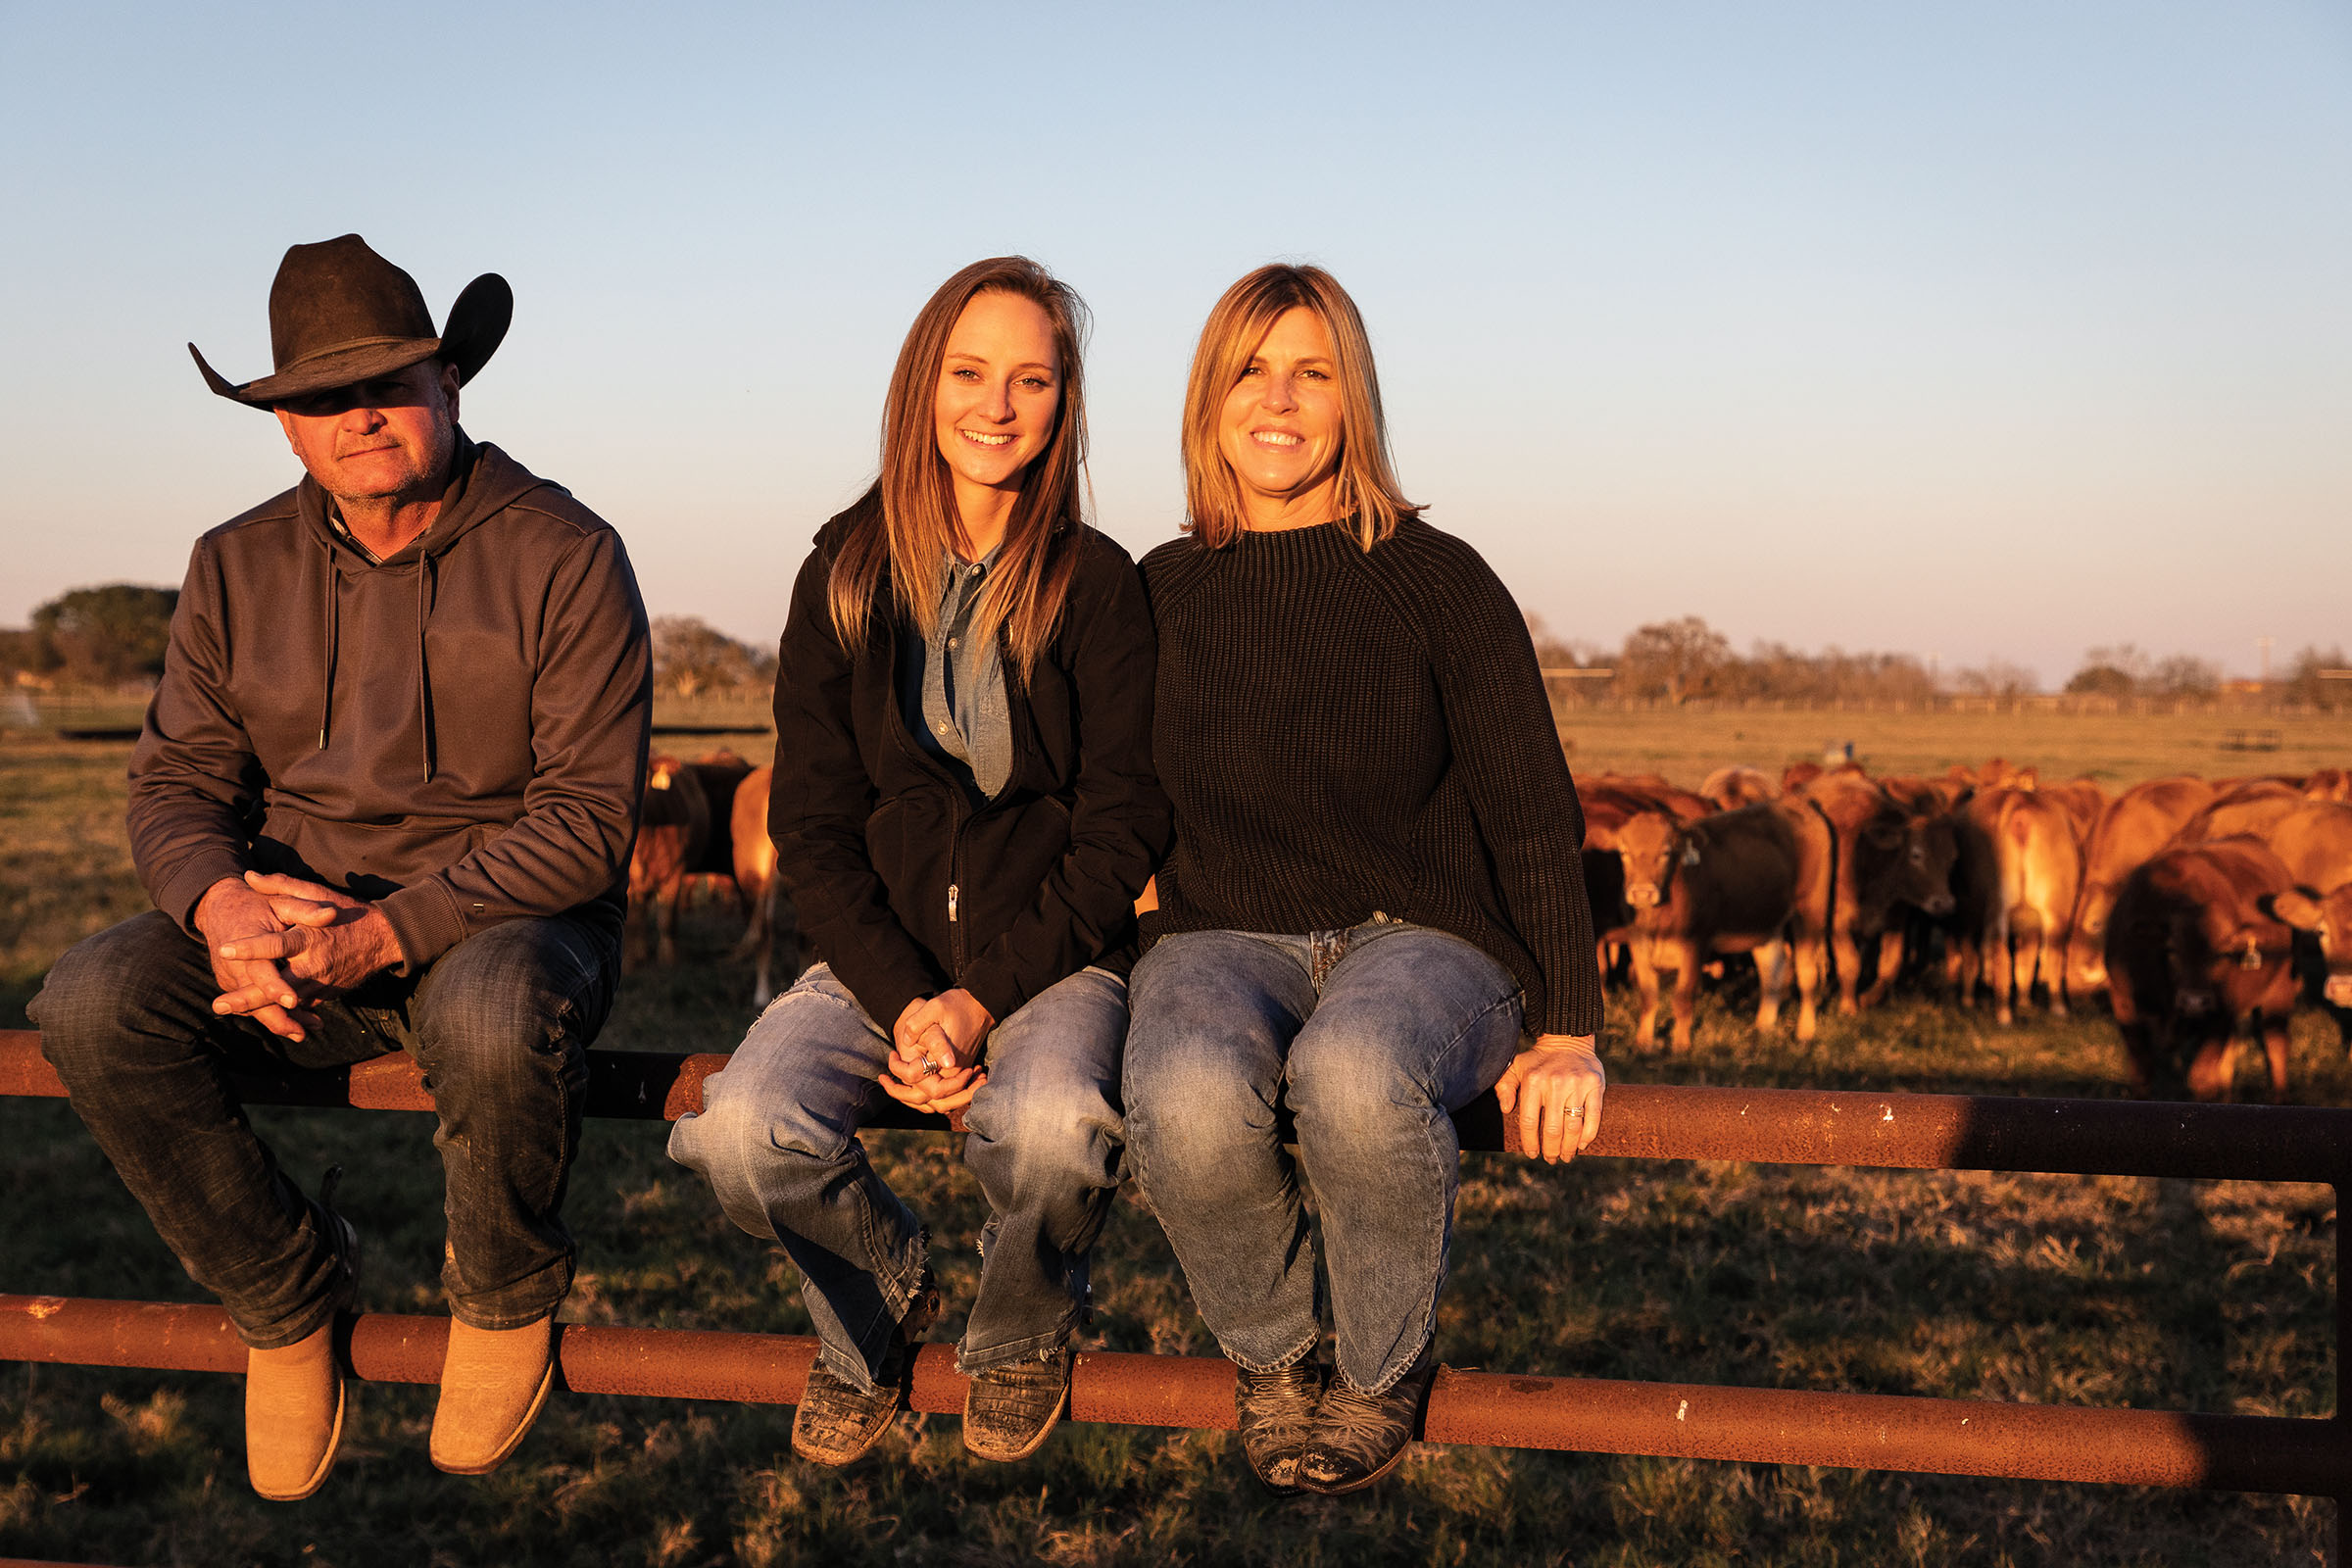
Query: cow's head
<point x="2327" y="916"/>
<point x="1918" y="853"/>
<point x="1653" y="847"/>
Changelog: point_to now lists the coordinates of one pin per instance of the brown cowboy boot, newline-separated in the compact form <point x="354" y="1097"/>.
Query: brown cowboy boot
<point x="1360" y="1436"/>
<point x="836" y="1421"/>
<point x="1274" y="1412"/>
<point x="294" y="1394"/>
<point x="294" y="1407"/>
<point x="493" y="1383"/>
<point x="1009" y="1409"/>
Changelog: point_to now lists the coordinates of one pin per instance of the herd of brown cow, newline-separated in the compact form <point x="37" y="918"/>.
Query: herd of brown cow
<point x="2180" y="897"/>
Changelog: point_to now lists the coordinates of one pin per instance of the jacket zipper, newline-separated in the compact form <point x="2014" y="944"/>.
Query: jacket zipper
<point x="954" y="878"/>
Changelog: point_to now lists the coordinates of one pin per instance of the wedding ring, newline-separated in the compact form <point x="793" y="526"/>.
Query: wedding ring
<point x="931" y="1067"/>
<point x="1576" y="1110"/>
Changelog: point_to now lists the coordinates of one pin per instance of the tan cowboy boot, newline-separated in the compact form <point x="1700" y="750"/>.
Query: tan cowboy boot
<point x="293" y="1415"/>
<point x="492" y="1384"/>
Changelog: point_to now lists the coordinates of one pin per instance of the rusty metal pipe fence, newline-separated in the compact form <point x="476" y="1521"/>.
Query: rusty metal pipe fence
<point x="2311" y="1455"/>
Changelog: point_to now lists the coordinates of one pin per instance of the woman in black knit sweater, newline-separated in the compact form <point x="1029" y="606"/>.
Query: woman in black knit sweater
<point x="1374" y="890"/>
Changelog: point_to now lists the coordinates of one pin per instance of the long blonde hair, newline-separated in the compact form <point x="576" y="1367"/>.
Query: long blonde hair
<point x="1365" y="486"/>
<point x="914" y="527"/>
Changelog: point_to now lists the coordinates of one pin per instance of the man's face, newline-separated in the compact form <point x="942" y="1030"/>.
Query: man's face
<point x="386" y="439"/>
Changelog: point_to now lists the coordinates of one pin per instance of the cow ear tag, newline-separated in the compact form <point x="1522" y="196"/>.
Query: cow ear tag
<point x="2251" y="959"/>
<point x="1689" y="855"/>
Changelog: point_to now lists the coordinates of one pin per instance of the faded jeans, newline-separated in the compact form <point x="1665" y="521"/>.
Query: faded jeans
<point x="500" y="1023"/>
<point x="777" y="1140"/>
<point x="1370" y="1036"/>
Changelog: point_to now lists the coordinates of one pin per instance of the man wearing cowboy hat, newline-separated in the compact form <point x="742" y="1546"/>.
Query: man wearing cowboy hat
<point x="384" y="798"/>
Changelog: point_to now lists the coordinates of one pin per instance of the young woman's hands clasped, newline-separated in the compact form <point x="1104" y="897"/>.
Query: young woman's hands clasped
<point x="935" y="1054"/>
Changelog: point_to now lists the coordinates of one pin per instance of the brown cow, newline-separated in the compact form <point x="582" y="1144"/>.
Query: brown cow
<point x="2194" y="950"/>
<point x="720" y="773"/>
<point x="1755" y="880"/>
<point x="754" y="854"/>
<point x="2084" y="801"/>
<point x="2315" y="845"/>
<point x="1796" y="775"/>
<point x="1610" y="801"/>
<point x="2021" y="874"/>
<point x="1884" y="856"/>
<point x="1914" y="794"/>
<point x="2134" y="826"/>
<point x="1608" y="798"/>
<point x="670" y="835"/>
<point x="2252" y="808"/>
<point x="1731" y="788"/>
<point x="2330" y="784"/>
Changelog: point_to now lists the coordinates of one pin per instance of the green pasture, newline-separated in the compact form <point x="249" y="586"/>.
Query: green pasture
<point x="2160" y="1293"/>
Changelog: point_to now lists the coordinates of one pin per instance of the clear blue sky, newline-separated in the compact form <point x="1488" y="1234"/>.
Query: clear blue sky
<point x="1975" y="329"/>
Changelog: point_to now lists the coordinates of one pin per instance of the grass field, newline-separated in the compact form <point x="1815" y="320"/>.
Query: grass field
<point x="2172" y="1295"/>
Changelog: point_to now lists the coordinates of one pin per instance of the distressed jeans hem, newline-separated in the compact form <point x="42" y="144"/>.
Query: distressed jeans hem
<point x="1288" y="1359"/>
<point x="970" y="1362"/>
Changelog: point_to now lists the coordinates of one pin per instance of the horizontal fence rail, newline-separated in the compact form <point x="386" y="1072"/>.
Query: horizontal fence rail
<point x="1642" y="1121"/>
<point x="1595" y="1416"/>
<point x="1774" y="1126"/>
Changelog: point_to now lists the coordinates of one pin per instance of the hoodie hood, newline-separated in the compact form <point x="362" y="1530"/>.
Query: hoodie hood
<point x="483" y="481"/>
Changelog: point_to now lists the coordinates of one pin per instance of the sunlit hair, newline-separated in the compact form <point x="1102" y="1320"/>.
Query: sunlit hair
<point x="1365" y="487"/>
<point x="911" y="521"/>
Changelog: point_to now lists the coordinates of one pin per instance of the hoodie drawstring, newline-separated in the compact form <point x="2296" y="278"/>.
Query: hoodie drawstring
<point x="426" y="581"/>
<point x="334" y="631"/>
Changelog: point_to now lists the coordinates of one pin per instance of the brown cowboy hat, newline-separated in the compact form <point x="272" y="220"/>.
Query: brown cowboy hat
<point x="341" y="314"/>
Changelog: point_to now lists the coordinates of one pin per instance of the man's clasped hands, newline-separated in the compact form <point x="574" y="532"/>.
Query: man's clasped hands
<point x="279" y="942"/>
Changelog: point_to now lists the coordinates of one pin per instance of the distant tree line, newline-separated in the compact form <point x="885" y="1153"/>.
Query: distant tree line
<point x="112" y="635"/>
<point x="115" y="635"/>
<point x="1675" y="662"/>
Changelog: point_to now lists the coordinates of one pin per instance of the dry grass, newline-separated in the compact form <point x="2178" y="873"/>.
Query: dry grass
<point x="2117" y="750"/>
<point x="2170" y="1294"/>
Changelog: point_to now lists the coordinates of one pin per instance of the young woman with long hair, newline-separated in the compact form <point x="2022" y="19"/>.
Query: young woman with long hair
<point x="1374" y="888"/>
<point x="964" y="810"/>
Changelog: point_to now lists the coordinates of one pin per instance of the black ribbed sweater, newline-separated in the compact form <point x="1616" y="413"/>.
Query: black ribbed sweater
<point x="1344" y="732"/>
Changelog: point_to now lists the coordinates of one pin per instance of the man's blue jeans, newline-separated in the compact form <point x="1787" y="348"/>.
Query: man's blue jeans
<point x="1370" y="1036"/>
<point x="500" y="1023"/>
<point x="777" y="1140"/>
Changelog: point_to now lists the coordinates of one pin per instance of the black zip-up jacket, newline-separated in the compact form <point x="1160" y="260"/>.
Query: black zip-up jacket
<point x="900" y="882"/>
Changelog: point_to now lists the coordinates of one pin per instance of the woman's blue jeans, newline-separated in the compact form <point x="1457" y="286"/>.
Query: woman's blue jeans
<point x="1371" y="1036"/>
<point x="777" y="1140"/>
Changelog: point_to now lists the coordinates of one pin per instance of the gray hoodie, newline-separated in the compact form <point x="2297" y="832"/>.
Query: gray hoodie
<point x="458" y="732"/>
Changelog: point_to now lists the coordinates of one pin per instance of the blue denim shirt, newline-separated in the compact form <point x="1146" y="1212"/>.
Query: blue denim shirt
<point x="952" y="688"/>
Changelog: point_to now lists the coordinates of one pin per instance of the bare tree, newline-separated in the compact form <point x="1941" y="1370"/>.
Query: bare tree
<point x="1676" y="660"/>
<point x="692" y="656"/>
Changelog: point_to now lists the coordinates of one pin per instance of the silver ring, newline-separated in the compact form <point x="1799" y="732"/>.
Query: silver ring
<point x="930" y="1067"/>
<point x="1576" y="1110"/>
